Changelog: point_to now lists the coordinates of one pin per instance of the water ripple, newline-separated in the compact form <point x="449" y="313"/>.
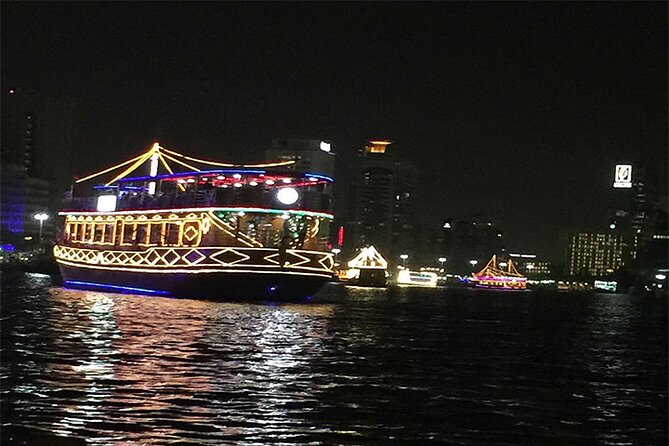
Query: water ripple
<point x="403" y="366"/>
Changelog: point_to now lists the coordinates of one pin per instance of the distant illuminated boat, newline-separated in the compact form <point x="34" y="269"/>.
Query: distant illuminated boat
<point x="368" y="268"/>
<point x="406" y="277"/>
<point x="239" y="231"/>
<point x="493" y="277"/>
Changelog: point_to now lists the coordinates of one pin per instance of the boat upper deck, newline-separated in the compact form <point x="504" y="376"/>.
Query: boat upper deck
<point x="234" y="187"/>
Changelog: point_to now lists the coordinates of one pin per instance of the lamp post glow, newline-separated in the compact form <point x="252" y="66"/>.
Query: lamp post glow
<point x="404" y="258"/>
<point x="473" y="262"/>
<point x="41" y="217"/>
<point x="335" y="251"/>
<point x="442" y="260"/>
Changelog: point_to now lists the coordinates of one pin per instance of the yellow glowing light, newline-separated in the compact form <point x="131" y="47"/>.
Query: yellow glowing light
<point x="102" y="172"/>
<point x="188" y="166"/>
<point x="157" y="152"/>
<point x="369" y="257"/>
<point x="139" y="162"/>
<point x="173" y="259"/>
<point x="215" y="163"/>
<point x="193" y="271"/>
<point x="169" y="169"/>
<point x="378" y="145"/>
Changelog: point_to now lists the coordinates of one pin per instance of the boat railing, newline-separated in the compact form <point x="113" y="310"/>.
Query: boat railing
<point x="309" y="200"/>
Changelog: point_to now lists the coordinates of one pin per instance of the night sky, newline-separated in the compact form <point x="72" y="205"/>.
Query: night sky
<point x="514" y="111"/>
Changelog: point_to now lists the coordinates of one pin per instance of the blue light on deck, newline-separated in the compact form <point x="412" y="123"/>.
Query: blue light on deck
<point x="198" y="173"/>
<point x="105" y="286"/>
<point x="320" y="177"/>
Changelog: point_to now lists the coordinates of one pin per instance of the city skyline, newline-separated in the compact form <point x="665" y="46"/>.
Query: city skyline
<point x="522" y="124"/>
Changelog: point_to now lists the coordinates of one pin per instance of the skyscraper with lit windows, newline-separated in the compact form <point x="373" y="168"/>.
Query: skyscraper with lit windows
<point x="382" y="202"/>
<point x="595" y="254"/>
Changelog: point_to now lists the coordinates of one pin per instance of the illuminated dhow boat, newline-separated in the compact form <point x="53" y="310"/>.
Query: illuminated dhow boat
<point x="367" y="269"/>
<point x="236" y="232"/>
<point x="493" y="277"/>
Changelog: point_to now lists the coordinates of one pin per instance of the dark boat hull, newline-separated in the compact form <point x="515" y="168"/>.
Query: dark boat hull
<point x="228" y="286"/>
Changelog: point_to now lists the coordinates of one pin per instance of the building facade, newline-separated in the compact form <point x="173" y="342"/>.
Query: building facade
<point x="24" y="190"/>
<point x="595" y="254"/>
<point x="312" y="155"/>
<point x="382" y="203"/>
<point x="531" y="265"/>
<point x="469" y="244"/>
<point x="39" y="135"/>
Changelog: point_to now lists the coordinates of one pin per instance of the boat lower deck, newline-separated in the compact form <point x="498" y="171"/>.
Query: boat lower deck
<point x="227" y="286"/>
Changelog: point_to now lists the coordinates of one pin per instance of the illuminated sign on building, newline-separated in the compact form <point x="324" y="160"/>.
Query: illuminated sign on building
<point x="623" y="176"/>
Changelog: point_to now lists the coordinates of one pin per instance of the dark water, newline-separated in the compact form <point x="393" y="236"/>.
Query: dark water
<point x="411" y="366"/>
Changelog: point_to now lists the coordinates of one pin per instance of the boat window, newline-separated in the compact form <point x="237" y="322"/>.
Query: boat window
<point x="156" y="233"/>
<point x="98" y="230"/>
<point x="172" y="234"/>
<point x="141" y="235"/>
<point x="71" y="232"/>
<point x="87" y="232"/>
<point x="118" y="233"/>
<point x="109" y="234"/>
<point x="129" y="233"/>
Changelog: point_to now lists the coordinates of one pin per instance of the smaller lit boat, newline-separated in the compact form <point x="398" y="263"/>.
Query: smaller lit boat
<point x="493" y="277"/>
<point x="367" y="269"/>
<point x="406" y="277"/>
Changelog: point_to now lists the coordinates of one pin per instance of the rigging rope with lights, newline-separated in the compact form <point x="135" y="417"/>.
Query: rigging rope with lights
<point x="492" y="276"/>
<point x="158" y="154"/>
<point x="492" y="270"/>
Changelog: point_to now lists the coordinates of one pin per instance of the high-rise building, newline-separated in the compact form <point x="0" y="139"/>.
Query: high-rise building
<point x="595" y="254"/>
<point x="312" y="155"/>
<point x="23" y="192"/>
<point x="530" y="265"/>
<point x="382" y="203"/>
<point x="19" y="130"/>
<point x="638" y="204"/>
<point x="470" y="243"/>
<point x="657" y="256"/>
<point x="38" y="136"/>
<point x="23" y="197"/>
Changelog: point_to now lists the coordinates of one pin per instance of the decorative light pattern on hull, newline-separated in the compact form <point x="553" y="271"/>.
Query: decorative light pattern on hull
<point x="195" y="271"/>
<point x="187" y="259"/>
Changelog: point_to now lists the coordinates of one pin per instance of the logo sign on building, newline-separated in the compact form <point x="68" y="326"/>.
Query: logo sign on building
<point x="623" y="176"/>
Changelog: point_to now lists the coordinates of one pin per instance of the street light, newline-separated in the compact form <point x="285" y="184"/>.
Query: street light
<point x="335" y="251"/>
<point x="473" y="262"/>
<point x="404" y="258"/>
<point x="442" y="260"/>
<point x="41" y="217"/>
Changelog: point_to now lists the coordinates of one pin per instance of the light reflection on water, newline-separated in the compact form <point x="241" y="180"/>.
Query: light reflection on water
<point x="415" y="366"/>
